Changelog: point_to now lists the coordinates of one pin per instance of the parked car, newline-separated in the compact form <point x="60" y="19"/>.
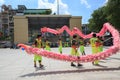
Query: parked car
<point x="108" y="40"/>
<point x="5" y="44"/>
<point x="54" y="44"/>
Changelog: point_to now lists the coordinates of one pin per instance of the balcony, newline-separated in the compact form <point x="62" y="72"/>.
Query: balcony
<point x="4" y="22"/>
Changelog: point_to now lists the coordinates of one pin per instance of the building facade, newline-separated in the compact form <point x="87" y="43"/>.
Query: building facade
<point x="23" y="24"/>
<point x="28" y="26"/>
<point x="6" y="22"/>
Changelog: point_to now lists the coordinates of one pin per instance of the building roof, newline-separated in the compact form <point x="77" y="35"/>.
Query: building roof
<point x="37" y="11"/>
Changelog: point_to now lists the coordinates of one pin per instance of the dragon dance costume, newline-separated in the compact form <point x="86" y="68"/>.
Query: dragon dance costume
<point x="74" y="51"/>
<point x="60" y="46"/>
<point x="82" y="49"/>
<point x="47" y="46"/>
<point x="94" y="48"/>
<point x="38" y="45"/>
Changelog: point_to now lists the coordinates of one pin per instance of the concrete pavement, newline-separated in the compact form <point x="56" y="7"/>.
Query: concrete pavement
<point x="15" y="64"/>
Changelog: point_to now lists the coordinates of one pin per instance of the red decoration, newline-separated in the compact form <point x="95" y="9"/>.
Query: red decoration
<point x="86" y="58"/>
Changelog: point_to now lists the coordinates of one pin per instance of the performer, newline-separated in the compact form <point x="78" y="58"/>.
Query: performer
<point x="74" y="49"/>
<point x="60" y="45"/>
<point x="47" y="45"/>
<point x="101" y="44"/>
<point x="38" y="44"/>
<point x="81" y="43"/>
<point x="93" y="41"/>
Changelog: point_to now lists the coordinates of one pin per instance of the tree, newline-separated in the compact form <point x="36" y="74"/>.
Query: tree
<point x="99" y="17"/>
<point x="113" y="12"/>
<point x="109" y="13"/>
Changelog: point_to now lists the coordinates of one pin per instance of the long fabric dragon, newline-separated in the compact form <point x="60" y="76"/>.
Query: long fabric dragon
<point x="86" y="58"/>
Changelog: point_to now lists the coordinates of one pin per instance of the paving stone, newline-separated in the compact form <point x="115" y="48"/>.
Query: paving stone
<point x="15" y="64"/>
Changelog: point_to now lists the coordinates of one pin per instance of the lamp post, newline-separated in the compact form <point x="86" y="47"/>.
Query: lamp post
<point x="58" y="7"/>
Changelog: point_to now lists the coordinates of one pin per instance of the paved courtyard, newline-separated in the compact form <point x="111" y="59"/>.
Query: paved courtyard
<point x="15" y="64"/>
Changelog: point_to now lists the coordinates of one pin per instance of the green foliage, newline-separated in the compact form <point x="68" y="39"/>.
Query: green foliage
<point x="113" y="12"/>
<point x="48" y="11"/>
<point x="98" y="19"/>
<point x="109" y="13"/>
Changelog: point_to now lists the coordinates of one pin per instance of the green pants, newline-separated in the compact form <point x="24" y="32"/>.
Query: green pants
<point x="37" y="58"/>
<point x="74" y="52"/>
<point x="47" y="48"/>
<point x="82" y="49"/>
<point x="60" y="49"/>
<point x="100" y="48"/>
<point x="95" y="51"/>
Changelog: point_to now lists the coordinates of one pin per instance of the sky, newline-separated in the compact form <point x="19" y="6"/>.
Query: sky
<point x="82" y="8"/>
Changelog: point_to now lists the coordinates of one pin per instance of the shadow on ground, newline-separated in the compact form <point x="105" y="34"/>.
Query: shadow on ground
<point x="69" y="71"/>
<point x="113" y="58"/>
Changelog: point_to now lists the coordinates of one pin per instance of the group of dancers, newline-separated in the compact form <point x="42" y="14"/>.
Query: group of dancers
<point x="96" y="43"/>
